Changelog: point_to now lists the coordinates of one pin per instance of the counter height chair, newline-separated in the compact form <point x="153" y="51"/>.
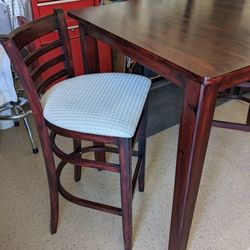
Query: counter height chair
<point x="105" y="108"/>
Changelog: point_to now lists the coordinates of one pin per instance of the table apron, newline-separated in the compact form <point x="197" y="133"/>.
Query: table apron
<point x="176" y="74"/>
<point x="171" y="71"/>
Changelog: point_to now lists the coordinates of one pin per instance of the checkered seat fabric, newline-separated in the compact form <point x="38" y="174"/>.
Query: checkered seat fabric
<point x="107" y="104"/>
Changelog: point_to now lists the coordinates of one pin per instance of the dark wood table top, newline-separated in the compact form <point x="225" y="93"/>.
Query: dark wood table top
<point x="208" y="38"/>
<point x="200" y="45"/>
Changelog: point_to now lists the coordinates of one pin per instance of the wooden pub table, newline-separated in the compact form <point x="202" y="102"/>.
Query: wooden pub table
<point x="201" y="46"/>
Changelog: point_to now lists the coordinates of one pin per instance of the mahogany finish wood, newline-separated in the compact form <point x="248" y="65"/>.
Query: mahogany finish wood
<point x="29" y="78"/>
<point x="202" y="46"/>
<point x="126" y="190"/>
<point x="206" y="41"/>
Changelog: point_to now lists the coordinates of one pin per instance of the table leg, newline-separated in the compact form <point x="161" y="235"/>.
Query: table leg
<point x="91" y="65"/>
<point x="89" y="48"/>
<point x="195" y="126"/>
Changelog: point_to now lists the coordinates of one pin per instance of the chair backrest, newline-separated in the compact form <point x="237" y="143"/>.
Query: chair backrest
<point x="46" y="63"/>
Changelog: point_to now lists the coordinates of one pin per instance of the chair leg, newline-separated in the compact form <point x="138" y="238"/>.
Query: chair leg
<point x="52" y="176"/>
<point x="142" y="148"/>
<point x="125" y="155"/>
<point x="77" y="169"/>
<point x="54" y="201"/>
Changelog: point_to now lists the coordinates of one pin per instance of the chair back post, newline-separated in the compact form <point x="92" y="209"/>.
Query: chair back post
<point x="63" y="33"/>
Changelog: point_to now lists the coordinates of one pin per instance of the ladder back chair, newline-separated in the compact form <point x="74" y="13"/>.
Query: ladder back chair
<point x="105" y="108"/>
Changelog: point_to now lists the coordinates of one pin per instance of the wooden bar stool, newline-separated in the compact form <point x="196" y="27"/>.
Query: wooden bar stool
<point x="105" y="108"/>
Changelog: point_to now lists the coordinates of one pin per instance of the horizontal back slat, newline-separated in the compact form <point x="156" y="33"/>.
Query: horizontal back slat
<point x="29" y="32"/>
<point x="34" y="55"/>
<point x="45" y="66"/>
<point x="46" y="83"/>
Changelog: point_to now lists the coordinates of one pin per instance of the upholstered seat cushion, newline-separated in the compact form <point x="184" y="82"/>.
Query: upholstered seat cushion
<point x="103" y="104"/>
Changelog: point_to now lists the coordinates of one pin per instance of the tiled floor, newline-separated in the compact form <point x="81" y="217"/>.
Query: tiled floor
<point x="221" y="220"/>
